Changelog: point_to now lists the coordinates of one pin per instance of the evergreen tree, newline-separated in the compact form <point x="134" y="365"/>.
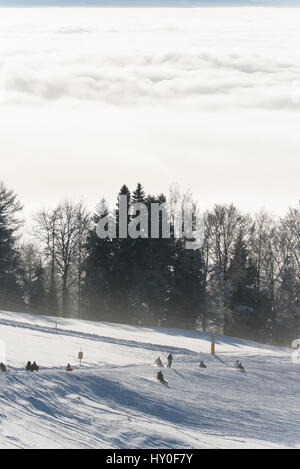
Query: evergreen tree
<point x="38" y="297"/>
<point x="34" y="279"/>
<point x="138" y="195"/>
<point x="157" y="274"/>
<point x="11" y="291"/>
<point x="150" y="269"/>
<point x="124" y="191"/>
<point x="187" y="288"/>
<point x="248" y="316"/>
<point x="97" y="267"/>
<point x="122" y="265"/>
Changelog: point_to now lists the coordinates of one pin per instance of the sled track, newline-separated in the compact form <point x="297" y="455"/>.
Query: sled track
<point x="15" y="444"/>
<point x="95" y="337"/>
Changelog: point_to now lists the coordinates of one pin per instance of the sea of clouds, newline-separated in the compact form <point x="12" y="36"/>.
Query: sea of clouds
<point x="197" y="60"/>
<point x="206" y="97"/>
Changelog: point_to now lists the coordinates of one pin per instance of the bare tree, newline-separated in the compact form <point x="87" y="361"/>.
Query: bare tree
<point x="62" y="233"/>
<point x="290" y="248"/>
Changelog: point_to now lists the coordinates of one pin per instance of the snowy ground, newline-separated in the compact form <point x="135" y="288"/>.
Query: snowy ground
<point x="115" y="401"/>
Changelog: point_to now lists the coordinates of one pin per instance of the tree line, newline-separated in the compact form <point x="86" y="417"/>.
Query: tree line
<point x="243" y="281"/>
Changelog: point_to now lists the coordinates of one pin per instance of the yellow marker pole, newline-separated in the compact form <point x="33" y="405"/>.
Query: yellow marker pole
<point x="80" y="356"/>
<point x="213" y="349"/>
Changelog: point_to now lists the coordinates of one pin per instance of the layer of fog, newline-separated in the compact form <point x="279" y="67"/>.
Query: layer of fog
<point x="92" y="99"/>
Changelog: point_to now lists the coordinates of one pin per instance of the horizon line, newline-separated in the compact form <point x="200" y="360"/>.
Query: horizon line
<point x="190" y="4"/>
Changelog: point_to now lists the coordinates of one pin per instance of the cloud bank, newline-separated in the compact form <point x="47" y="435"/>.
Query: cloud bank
<point x="94" y="98"/>
<point x="202" y="61"/>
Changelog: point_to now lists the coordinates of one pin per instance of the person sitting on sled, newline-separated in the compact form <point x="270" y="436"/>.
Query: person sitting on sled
<point x="29" y="366"/>
<point x="202" y="365"/>
<point x="170" y="360"/>
<point x="68" y="367"/>
<point x="34" y="367"/>
<point x="158" y="362"/>
<point x="160" y="377"/>
<point x="2" y="367"/>
<point x="239" y="366"/>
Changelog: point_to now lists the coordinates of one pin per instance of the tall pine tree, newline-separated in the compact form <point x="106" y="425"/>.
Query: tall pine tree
<point x="11" y="292"/>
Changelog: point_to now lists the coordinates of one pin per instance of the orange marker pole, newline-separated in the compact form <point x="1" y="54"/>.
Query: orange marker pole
<point x="213" y="347"/>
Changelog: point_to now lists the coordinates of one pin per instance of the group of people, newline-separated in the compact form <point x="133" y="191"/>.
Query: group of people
<point x="158" y="362"/>
<point x="32" y="366"/>
<point x="29" y="367"/>
<point x="170" y="359"/>
<point x="160" y="376"/>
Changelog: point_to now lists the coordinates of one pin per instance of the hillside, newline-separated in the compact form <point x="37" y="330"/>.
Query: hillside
<point x="115" y="401"/>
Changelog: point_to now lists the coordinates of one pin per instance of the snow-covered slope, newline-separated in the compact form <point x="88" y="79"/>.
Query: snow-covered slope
<point x="115" y="401"/>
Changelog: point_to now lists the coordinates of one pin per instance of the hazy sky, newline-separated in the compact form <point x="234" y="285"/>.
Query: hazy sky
<point x="142" y="3"/>
<point x="91" y="99"/>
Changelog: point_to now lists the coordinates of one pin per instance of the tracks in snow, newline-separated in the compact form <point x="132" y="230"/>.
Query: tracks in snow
<point x="96" y="337"/>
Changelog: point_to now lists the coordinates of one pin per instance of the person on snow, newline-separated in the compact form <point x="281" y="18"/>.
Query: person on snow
<point x="239" y="366"/>
<point x="170" y="360"/>
<point x="29" y="366"/>
<point x="34" y="367"/>
<point x="160" y="377"/>
<point x="202" y="365"/>
<point x="2" y="367"/>
<point x="68" y="367"/>
<point x="158" y="362"/>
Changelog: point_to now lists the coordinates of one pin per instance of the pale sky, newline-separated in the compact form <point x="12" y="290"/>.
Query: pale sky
<point x="143" y="3"/>
<point x="91" y="99"/>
